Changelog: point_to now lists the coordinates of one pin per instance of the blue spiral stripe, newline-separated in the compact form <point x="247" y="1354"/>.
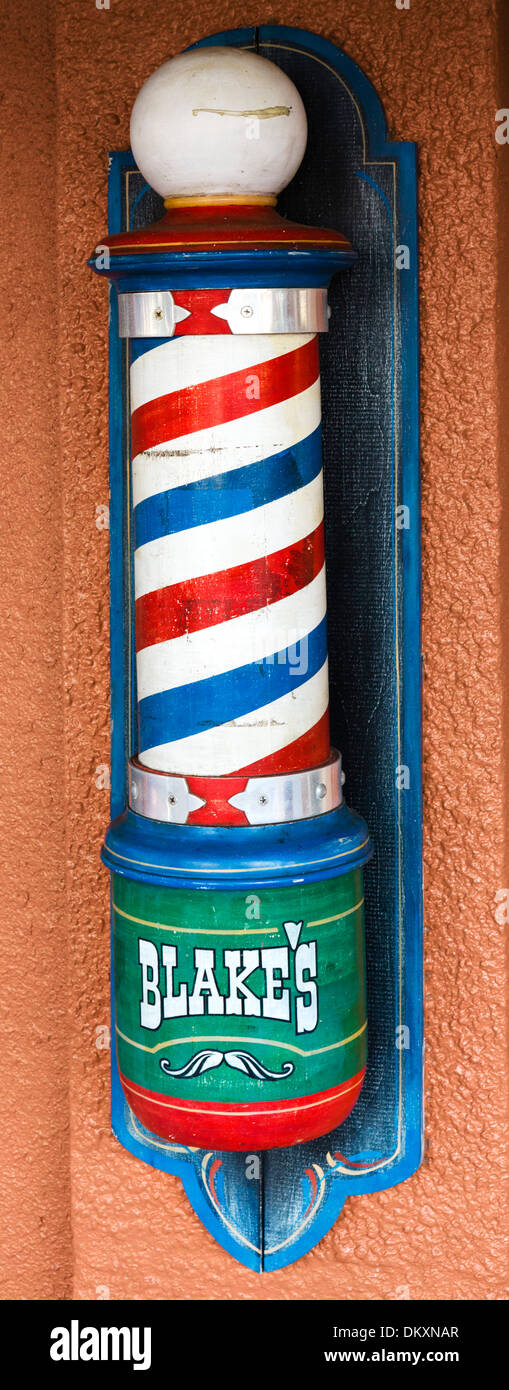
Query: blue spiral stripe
<point x="228" y="494"/>
<point x="201" y="705"/>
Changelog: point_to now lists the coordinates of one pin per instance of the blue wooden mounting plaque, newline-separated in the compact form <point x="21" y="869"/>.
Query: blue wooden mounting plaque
<point x="269" y="1209"/>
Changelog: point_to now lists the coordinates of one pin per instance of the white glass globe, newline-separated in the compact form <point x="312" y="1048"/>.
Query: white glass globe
<point x="218" y="120"/>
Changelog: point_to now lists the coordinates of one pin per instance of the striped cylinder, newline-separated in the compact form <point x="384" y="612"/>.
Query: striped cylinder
<point x="229" y="557"/>
<point x="240" y="1012"/>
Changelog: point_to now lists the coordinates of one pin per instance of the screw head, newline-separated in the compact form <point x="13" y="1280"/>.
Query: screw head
<point x="171" y="799"/>
<point x="263" y="800"/>
<point x="321" y="790"/>
<point x="247" y="311"/>
<point x="158" y="313"/>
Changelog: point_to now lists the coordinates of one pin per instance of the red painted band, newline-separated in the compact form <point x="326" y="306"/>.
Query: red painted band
<point x="242" y="1126"/>
<point x="218" y="225"/>
<point x="215" y="598"/>
<point x="223" y="398"/>
<point x="201" y="320"/>
<point x="216" y="792"/>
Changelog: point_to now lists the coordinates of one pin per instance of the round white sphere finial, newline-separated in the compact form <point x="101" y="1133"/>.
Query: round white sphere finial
<point x="218" y="121"/>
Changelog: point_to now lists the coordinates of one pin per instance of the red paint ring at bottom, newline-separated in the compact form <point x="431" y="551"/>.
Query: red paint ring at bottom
<point x="241" y="1127"/>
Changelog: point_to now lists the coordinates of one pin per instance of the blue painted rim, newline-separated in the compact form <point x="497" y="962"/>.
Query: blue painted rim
<point x="308" y="267"/>
<point x="230" y="857"/>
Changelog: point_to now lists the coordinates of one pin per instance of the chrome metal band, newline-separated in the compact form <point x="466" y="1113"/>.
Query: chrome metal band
<point x="272" y="800"/>
<point x="156" y="314"/>
<point x="291" y="796"/>
<point x="284" y="310"/>
<point x="149" y="314"/>
<point x="160" y="795"/>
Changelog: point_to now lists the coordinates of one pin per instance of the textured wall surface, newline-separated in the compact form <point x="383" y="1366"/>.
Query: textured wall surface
<point x="35" y="1242"/>
<point x="84" y="1218"/>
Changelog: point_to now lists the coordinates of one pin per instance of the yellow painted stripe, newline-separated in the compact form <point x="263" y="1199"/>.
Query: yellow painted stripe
<point x="265" y="1042"/>
<point x="322" y="921"/>
<point x="297" y="864"/>
<point x="223" y="199"/>
<point x="229" y="1110"/>
<point x="195" y="931"/>
<point x="252" y="243"/>
<point x="219" y="931"/>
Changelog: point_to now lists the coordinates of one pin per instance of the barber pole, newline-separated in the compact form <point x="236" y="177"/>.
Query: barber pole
<point x="237" y="869"/>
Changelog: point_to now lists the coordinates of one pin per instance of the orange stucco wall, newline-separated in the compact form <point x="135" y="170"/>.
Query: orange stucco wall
<point x="82" y="1217"/>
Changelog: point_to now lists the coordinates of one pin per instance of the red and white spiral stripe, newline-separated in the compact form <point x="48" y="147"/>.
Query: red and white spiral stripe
<point x="213" y="599"/>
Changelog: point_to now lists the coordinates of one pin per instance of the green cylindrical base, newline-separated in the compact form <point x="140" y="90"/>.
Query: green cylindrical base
<point x="240" y="1017"/>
